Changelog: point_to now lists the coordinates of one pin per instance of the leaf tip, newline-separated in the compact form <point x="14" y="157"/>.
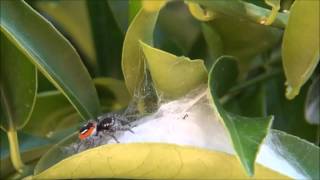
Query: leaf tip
<point x="292" y="92"/>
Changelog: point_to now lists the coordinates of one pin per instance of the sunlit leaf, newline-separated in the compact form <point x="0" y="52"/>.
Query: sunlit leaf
<point x="51" y="53"/>
<point x="141" y="28"/>
<point x="18" y="86"/>
<point x="150" y="161"/>
<point x="300" y="46"/>
<point x="173" y="76"/>
<point x="153" y="5"/>
<point x="246" y="133"/>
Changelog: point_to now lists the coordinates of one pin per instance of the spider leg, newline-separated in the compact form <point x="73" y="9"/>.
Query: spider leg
<point x="114" y="137"/>
<point x="125" y="129"/>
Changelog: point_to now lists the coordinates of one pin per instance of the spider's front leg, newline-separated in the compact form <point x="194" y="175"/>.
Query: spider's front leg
<point x="122" y="128"/>
<point x="111" y="134"/>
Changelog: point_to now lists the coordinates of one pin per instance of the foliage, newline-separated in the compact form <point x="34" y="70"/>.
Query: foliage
<point x="247" y="53"/>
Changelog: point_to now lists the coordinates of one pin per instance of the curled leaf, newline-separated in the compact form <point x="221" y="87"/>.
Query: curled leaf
<point x="173" y="76"/>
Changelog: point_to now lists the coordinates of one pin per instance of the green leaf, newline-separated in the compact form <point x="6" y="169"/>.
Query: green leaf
<point x="31" y="148"/>
<point x="51" y="53"/>
<point x="300" y="46"/>
<point x="141" y="28"/>
<point x="242" y="10"/>
<point x="173" y="76"/>
<point x="312" y="104"/>
<point x="303" y="155"/>
<point x="70" y="16"/>
<point x="107" y="37"/>
<point x="251" y="102"/>
<point x="18" y="86"/>
<point x="150" y="161"/>
<point x="246" y="133"/>
<point x="213" y="40"/>
<point x="50" y="115"/>
<point x="120" y="10"/>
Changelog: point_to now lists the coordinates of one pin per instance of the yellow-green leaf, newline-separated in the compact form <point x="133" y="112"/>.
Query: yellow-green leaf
<point x="141" y="28"/>
<point x="173" y="76"/>
<point x="300" y="46"/>
<point x="153" y="5"/>
<point x="151" y="161"/>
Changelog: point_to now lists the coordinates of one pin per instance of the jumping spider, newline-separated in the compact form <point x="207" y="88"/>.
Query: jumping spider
<point x="107" y="124"/>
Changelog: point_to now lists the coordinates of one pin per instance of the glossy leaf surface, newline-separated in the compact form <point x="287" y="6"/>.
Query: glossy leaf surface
<point x="18" y="86"/>
<point x="57" y="60"/>
<point x="300" y="46"/>
<point x="247" y="134"/>
<point x="151" y="161"/>
<point x="173" y="76"/>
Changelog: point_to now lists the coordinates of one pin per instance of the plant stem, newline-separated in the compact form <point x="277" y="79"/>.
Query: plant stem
<point x="237" y="89"/>
<point x="255" y="81"/>
<point x="14" y="150"/>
